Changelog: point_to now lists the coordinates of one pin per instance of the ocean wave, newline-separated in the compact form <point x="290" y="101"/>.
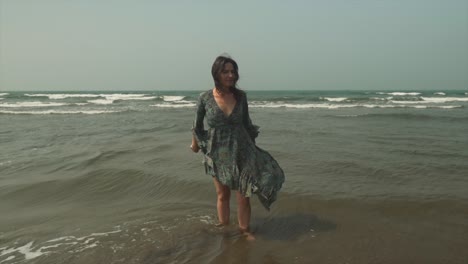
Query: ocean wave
<point x="414" y="106"/>
<point x="407" y="102"/>
<point x="117" y="241"/>
<point x="184" y="105"/>
<point x="186" y="102"/>
<point x="444" y="99"/>
<point x="400" y="93"/>
<point x="404" y="98"/>
<point x="409" y="116"/>
<point x="60" y="112"/>
<point x="3" y="94"/>
<point x="31" y="250"/>
<point x="281" y="105"/>
<point x="439" y="93"/>
<point x="26" y="250"/>
<point x="337" y="99"/>
<point x="101" y="101"/>
<point x="171" y="98"/>
<point x="425" y="100"/>
<point x="62" y="96"/>
<point x="294" y="98"/>
<point x="113" y="97"/>
<point x="31" y="104"/>
<point x="337" y="106"/>
<point x="267" y="104"/>
<point x="129" y="97"/>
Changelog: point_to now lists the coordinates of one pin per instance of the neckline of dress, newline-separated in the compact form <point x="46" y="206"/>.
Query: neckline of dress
<point x="219" y="108"/>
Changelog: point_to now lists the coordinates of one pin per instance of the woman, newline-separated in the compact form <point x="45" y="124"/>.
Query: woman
<point x="230" y="154"/>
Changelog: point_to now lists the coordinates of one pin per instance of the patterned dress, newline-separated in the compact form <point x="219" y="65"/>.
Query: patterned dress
<point x="230" y="153"/>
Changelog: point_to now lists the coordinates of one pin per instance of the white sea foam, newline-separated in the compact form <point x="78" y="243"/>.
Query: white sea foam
<point x="31" y="104"/>
<point x="400" y="93"/>
<point x="206" y="219"/>
<point x="27" y="250"/>
<point x="174" y="105"/>
<point x="62" y="238"/>
<point x="412" y="106"/>
<point x="337" y="106"/>
<point x="86" y="247"/>
<point x="116" y="96"/>
<point x="58" y="245"/>
<point x="3" y="94"/>
<point x="338" y="99"/>
<point x="127" y="97"/>
<point x="101" y="234"/>
<point x="111" y="98"/>
<point x="185" y="102"/>
<point x="9" y="258"/>
<point x="300" y="106"/>
<point x="449" y="106"/>
<point x="101" y="101"/>
<point x="30" y="252"/>
<point x="444" y="99"/>
<point x="408" y="102"/>
<point x="168" y="98"/>
<point x="62" y="96"/>
<point x="439" y="93"/>
<point x="49" y="112"/>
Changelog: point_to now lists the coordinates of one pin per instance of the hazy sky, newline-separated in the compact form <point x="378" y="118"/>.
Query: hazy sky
<point x="171" y="44"/>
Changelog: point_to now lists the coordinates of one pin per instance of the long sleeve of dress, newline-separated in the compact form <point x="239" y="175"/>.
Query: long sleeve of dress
<point x="252" y="129"/>
<point x="198" y="130"/>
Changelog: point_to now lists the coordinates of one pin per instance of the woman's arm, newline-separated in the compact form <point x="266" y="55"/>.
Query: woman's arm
<point x="198" y="130"/>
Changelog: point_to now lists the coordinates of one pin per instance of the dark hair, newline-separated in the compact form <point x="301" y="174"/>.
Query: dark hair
<point x="217" y="68"/>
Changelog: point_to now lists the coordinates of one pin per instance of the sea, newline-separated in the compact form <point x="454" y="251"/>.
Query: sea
<point x="108" y="177"/>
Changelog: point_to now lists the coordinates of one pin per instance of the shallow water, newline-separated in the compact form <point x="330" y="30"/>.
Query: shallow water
<point x="114" y="181"/>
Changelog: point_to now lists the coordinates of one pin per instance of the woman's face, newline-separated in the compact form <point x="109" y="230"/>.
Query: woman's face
<point x="228" y="76"/>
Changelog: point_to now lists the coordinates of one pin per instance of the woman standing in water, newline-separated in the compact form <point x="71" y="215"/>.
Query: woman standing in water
<point x="230" y="154"/>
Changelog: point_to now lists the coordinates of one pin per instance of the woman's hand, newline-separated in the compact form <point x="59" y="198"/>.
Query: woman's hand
<point x="195" y="148"/>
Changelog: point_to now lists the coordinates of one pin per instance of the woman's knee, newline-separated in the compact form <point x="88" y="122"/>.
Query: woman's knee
<point x="224" y="194"/>
<point x="242" y="200"/>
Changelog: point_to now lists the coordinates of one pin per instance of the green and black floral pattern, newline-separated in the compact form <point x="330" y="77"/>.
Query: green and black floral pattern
<point x="230" y="153"/>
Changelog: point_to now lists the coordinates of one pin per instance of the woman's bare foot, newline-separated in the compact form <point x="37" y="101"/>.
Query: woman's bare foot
<point x="247" y="234"/>
<point x="220" y="225"/>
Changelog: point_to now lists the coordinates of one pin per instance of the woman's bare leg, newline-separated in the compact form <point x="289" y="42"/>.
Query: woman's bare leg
<point x="243" y="214"/>
<point x="243" y="211"/>
<point x="222" y="204"/>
